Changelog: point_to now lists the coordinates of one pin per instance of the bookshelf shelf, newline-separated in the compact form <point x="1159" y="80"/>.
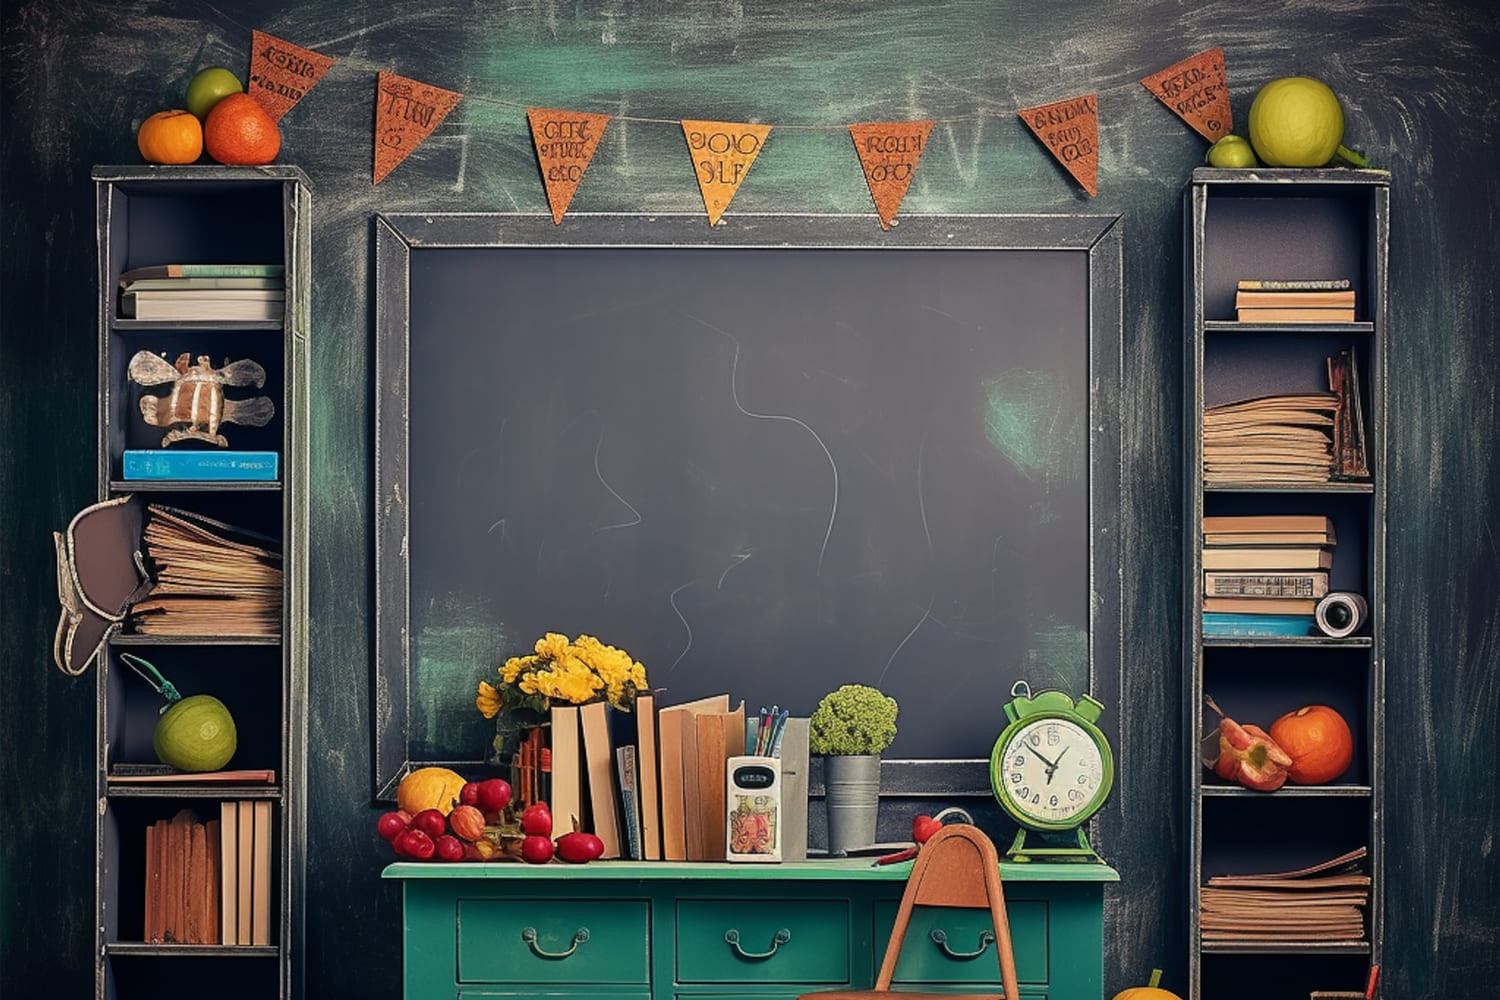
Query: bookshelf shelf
<point x="146" y="217"/>
<point x="1325" y="225"/>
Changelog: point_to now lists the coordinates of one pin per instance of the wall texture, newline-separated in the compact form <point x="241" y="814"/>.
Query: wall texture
<point x="1417" y="80"/>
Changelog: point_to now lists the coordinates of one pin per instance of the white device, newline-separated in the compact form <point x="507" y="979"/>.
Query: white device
<point x="753" y="824"/>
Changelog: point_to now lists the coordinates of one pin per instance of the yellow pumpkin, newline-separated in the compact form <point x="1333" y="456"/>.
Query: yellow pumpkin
<point x="1151" y="991"/>
<point x="429" y="788"/>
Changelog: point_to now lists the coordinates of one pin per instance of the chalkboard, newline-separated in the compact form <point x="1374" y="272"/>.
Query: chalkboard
<point x="767" y="458"/>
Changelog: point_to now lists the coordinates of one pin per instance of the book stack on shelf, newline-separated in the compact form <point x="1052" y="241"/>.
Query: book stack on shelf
<point x="208" y="578"/>
<point x="1324" y="902"/>
<point x="1295" y="301"/>
<point x="1263" y="574"/>
<point x="182" y="880"/>
<point x="244" y="292"/>
<point x="1270" y="439"/>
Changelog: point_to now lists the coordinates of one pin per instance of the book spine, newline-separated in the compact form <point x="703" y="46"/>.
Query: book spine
<point x="216" y="465"/>
<point x="1265" y="584"/>
<point x="1296" y="284"/>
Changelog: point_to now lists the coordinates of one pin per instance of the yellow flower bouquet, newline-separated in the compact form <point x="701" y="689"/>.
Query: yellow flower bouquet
<point x="562" y="670"/>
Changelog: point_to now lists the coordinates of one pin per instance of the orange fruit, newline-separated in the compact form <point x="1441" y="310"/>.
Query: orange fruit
<point x="238" y="132"/>
<point x="170" y="137"/>
<point x="1319" y="742"/>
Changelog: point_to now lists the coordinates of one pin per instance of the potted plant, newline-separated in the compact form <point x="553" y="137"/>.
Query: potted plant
<point x="850" y="728"/>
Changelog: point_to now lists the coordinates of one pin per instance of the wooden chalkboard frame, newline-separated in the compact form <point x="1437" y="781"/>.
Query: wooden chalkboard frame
<point x="1097" y="237"/>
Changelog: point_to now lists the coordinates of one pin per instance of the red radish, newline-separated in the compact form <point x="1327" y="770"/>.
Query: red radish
<point x="494" y="795"/>
<point x="579" y="847"/>
<point x="431" y="822"/>
<point x="448" y="848"/>
<point x="536" y="849"/>
<point x="537" y="821"/>
<point x="390" y="824"/>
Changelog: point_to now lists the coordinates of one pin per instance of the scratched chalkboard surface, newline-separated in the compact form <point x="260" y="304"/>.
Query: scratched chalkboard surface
<point x="767" y="463"/>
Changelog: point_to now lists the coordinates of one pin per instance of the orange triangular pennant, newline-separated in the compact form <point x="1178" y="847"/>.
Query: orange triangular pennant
<point x="281" y="73"/>
<point x="565" y="142"/>
<point x="406" y="112"/>
<point x="889" y="152"/>
<point x="1070" y="129"/>
<point x="1197" y="90"/>
<point x="722" y="154"/>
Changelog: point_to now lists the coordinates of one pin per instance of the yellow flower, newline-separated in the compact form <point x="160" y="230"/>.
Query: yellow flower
<point x="488" y="702"/>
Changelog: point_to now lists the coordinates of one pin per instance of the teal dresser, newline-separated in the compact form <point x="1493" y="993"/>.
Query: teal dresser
<point x="653" y="931"/>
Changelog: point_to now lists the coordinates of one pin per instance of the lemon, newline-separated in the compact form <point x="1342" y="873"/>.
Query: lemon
<point x="1296" y="121"/>
<point x="1231" y="151"/>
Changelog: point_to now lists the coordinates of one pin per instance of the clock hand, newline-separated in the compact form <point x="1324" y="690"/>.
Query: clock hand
<point x="1050" y="766"/>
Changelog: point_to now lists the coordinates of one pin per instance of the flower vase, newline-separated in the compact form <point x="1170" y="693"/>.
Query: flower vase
<point x="512" y="727"/>
<point x="853" y="800"/>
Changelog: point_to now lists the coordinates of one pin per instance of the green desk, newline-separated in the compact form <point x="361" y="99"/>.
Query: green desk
<point x="623" y="930"/>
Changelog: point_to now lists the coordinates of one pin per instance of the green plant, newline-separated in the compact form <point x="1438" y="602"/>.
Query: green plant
<point x="855" y="719"/>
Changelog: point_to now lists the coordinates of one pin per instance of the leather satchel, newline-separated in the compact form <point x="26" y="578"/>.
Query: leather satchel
<point x="100" y="573"/>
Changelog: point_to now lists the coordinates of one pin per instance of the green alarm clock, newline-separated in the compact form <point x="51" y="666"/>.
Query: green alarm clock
<point x="1051" y="770"/>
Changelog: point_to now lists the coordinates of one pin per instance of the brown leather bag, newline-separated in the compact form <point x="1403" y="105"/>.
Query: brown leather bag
<point x="100" y="573"/>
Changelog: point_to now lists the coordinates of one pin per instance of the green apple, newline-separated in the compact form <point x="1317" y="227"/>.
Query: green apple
<point x="1229" y="151"/>
<point x="207" y="87"/>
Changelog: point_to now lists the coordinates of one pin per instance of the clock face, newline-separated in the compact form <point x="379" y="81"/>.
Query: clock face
<point x="1052" y="773"/>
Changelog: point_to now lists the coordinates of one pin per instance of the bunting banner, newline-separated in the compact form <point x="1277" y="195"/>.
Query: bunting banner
<point x="722" y="155"/>
<point x="1197" y="90"/>
<point x="888" y="152"/>
<point x="406" y="112"/>
<point x="281" y="73"/>
<point x="565" y="142"/>
<point x="1070" y="130"/>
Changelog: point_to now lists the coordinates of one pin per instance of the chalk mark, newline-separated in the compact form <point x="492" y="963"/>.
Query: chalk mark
<point x="926" y="614"/>
<point x="622" y="524"/>
<point x="921" y="499"/>
<point x="735" y="395"/>
<point x="498" y="524"/>
<point x="672" y="600"/>
<point x="738" y="558"/>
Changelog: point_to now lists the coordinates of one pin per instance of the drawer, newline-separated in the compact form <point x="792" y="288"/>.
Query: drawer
<point x="560" y="942"/>
<point x="962" y="957"/>
<point x="763" y="941"/>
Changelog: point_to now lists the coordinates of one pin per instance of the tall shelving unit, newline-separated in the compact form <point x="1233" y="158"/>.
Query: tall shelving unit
<point x="149" y="216"/>
<point x="1285" y="223"/>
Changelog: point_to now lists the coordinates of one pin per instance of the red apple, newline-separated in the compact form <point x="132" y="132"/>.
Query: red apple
<point x="537" y="821"/>
<point x="923" y="827"/>
<point x="431" y="822"/>
<point x="469" y="794"/>
<point x="536" y="849"/>
<point x="578" y="847"/>
<point x="448" y="848"/>
<point x="390" y="824"/>
<point x="416" y="844"/>
<point x="494" y="795"/>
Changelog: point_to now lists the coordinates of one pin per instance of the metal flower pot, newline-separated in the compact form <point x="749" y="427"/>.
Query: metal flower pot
<point x="853" y="801"/>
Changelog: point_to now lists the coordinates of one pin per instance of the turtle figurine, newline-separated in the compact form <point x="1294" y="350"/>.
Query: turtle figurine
<point x="196" y="406"/>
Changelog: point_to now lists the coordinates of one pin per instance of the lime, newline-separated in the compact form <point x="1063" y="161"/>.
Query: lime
<point x="1296" y="121"/>
<point x="1231" y="151"/>
<point x="205" y="90"/>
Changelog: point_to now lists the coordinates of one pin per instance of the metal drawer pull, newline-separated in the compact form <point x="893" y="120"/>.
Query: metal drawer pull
<point x="528" y="934"/>
<point x="780" y="938"/>
<point x="940" y="938"/>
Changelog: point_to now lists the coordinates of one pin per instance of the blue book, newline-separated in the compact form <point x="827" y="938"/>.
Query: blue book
<point x="1275" y="626"/>
<point x="161" y="463"/>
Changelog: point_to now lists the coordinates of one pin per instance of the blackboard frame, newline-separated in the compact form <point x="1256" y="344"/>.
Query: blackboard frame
<point x="1098" y="238"/>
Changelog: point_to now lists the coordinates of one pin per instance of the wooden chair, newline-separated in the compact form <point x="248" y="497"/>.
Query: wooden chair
<point x="957" y="867"/>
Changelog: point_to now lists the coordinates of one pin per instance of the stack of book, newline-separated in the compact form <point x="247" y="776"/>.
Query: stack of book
<point x="208" y="578"/>
<point x="1294" y="301"/>
<point x="204" y="292"/>
<point x="1270" y="439"/>
<point x="1321" y="903"/>
<point x="210" y="882"/>
<point x="1263" y="574"/>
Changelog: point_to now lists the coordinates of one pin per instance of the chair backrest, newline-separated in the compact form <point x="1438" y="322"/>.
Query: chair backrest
<point x="957" y="867"/>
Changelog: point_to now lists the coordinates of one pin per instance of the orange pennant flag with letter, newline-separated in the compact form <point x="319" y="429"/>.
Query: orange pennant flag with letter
<point x="281" y="73"/>
<point x="722" y="154"/>
<point x="565" y="143"/>
<point x="1070" y="129"/>
<point x="406" y="112"/>
<point x="888" y="152"/>
<point x="1197" y="90"/>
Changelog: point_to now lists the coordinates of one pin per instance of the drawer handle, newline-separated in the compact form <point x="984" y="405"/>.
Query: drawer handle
<point x="780" y="938"/>
<point x="940" y="938"/>
<point x="528" y="934"/>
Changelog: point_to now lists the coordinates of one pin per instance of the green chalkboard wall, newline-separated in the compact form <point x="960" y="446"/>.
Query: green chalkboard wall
<point x="1418" y="82"/>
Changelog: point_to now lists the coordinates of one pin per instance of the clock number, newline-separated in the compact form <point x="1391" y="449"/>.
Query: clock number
<point x="1053" y="802"/>
<point x="1036" y="799"/>
<point x="1035" y="739"/>
<point x="1053" y="736"/>
<point x="1015" y="777"/>
<point x="1083" y="779"/>
<point x="1020" y="761"/>
<point x="1023" y="792"/>
<point x="1074" y="795"/>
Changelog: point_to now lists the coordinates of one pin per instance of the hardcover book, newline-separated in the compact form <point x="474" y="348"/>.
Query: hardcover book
<point x="167" y="463"/>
